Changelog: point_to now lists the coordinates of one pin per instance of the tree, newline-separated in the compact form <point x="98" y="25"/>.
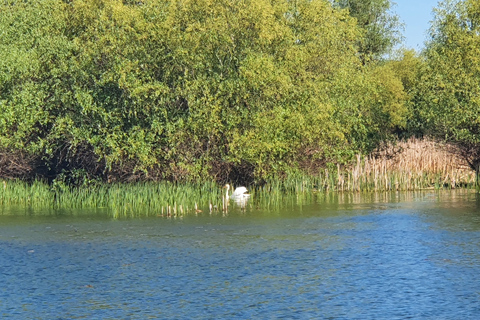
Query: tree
<point x="381" y="27"/>
<point x="33" y="73"/>
<point x="188" y="90"/>
<point x="447" y="98"/>
<point x="406" y="65"/>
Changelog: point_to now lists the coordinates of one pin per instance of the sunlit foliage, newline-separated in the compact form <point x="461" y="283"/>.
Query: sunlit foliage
<point x="447" y="100"/>
<point x="188" y="90"/>
<point x="380" y="25"/>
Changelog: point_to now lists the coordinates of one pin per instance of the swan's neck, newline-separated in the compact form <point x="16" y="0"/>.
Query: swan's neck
<point x="226" y="192"/>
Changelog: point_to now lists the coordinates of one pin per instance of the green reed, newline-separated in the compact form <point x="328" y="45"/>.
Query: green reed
<point x="177" y="199"/>
<point x="299" y="189"/>
<point x="129" y="199"/>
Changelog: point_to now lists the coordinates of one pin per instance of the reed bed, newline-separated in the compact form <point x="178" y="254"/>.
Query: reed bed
<point x="411" y="165"/>
<point x="120" y="200"/>
<point x="408" y="166"/>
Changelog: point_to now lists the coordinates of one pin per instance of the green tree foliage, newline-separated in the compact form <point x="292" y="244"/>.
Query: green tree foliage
<point x="187" y="90"/>
<point x="406" y="65"/>
<point x="381" y="27"/>
<point x="447" y="97"/>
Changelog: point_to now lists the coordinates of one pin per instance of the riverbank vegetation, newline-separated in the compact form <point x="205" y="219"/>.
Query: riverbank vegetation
<point x="413" y="165"/>
<point x="263" y="93"/>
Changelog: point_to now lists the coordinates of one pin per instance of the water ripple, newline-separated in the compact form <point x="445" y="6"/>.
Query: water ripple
<point x="406" y="261"/>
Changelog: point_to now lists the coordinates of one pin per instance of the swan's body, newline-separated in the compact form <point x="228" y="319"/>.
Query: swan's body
<point x="240" y="196"/>
<point x="239" y="193"/>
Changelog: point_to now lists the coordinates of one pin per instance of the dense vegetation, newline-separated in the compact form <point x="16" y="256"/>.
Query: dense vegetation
<point x="224" y="90"/>
<point x="446" y="102"/>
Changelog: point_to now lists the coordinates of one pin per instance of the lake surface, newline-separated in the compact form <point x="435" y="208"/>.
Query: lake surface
<point x="382" y="256"/>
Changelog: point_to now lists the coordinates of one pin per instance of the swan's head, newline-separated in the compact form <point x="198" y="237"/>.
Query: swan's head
<point x="227" y="186"/>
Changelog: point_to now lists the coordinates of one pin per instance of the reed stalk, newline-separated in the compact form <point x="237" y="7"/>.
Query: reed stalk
<point x="119" y="199"/>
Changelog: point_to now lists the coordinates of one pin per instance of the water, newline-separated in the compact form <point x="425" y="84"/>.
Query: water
<point x="400" y="256"/>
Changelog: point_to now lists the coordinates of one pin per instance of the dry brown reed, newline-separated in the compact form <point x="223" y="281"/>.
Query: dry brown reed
<point x="408" y="165"/>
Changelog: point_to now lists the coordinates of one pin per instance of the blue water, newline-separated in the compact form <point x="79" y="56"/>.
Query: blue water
<point x="415" y="257"/>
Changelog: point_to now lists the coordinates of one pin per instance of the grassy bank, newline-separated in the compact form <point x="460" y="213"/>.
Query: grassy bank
<point x="407" y="166"/>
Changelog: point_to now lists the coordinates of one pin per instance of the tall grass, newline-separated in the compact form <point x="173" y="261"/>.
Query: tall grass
<point x="411" y="165"/>
<point x="163" y="198"/>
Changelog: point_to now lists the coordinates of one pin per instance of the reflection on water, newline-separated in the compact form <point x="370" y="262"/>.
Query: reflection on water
<point x="241" y="201"/>
<point x="343" y="256"/>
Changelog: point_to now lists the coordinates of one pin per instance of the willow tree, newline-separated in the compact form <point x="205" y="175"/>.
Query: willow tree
<point x="448" y="98"/>
<point x="33" y="69"/>
<point x="380" y="25"/>
<point x="188" y="89"/>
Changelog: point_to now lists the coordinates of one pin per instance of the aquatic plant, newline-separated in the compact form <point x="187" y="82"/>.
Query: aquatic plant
<point x="145" y="198"/>
<point x="407" y="166"/>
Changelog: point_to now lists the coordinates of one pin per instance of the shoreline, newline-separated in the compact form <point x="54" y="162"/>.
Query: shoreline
<point x="413" y="165"/>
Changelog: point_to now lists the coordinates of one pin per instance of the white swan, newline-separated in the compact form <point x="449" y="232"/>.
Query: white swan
<point x="240" y="196"/>
<point x="239" y="193"/>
